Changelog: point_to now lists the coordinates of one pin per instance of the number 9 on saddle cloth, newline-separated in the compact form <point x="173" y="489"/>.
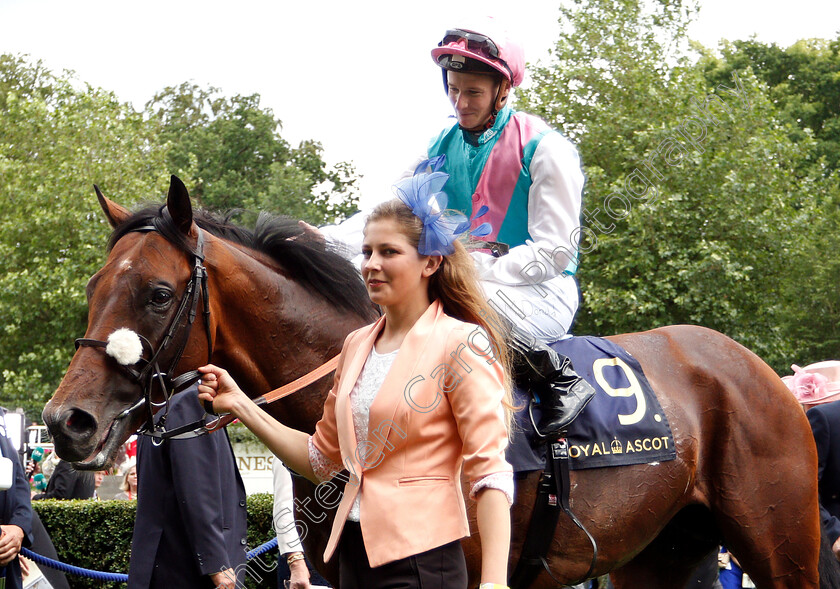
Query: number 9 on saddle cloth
<point x="622" y="423"/>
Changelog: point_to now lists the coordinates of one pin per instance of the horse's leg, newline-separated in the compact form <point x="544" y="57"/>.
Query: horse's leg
<point x="768" y="512"/>
<point x="757" y="468"/>
<point x="765" y="506"/>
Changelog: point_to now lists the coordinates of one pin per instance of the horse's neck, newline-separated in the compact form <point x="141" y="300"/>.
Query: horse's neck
<point x="269" y="329"/>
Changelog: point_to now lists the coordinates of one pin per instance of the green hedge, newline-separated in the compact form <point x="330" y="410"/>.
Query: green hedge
<point x="97" y="535"/>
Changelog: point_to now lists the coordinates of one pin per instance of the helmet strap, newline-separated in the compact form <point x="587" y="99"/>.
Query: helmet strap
<point x="501" y="99"/>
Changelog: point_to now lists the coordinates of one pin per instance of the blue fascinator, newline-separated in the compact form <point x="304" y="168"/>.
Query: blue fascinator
<point x="423" y="194"/>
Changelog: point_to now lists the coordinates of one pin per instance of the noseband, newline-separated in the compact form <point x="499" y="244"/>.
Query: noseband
<point x="147" y="372"/>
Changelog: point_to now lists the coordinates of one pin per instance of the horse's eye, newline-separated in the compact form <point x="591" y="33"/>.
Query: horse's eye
<point x="161" y="297"/>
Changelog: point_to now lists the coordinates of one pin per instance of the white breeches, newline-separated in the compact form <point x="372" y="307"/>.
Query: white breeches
<point x="546" y="311"/>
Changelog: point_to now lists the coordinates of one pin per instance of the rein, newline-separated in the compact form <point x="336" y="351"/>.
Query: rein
<point x="281" y="392"/>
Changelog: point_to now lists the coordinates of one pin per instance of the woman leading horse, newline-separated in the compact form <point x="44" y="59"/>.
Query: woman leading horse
<point x="416" y="415"/>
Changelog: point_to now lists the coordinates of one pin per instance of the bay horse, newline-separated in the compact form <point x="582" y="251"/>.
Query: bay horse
<point x="278" y="305"/>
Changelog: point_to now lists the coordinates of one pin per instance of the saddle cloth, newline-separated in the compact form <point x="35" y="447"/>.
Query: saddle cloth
<point x="622" y="424"/>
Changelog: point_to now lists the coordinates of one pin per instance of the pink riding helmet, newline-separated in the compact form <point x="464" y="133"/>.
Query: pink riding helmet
<point x="499" y="52"/>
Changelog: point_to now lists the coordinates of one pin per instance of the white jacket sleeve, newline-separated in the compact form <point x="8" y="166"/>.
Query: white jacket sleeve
<point x="346" y="237"/>
<point x="554" y="206"/>
<point x="284" y="510"/>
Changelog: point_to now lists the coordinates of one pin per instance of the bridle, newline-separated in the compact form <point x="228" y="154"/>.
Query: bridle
<point x="147" y="372"/>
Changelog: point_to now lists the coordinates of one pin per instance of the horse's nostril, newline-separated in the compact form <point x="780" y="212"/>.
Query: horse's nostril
<point x="79" y="422"/>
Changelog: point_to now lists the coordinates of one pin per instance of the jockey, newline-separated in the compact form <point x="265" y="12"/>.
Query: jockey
<point x="512" y="170"/>
<point x="530" y="179"/>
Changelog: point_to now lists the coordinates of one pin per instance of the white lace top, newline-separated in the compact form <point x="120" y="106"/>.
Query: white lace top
<point x="361" y="398"/>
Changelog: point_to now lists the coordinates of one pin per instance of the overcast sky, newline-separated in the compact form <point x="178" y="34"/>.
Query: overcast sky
<point x="355" y="76"/>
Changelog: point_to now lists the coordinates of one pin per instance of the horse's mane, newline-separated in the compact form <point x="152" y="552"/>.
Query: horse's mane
<point x="309" y="261"/>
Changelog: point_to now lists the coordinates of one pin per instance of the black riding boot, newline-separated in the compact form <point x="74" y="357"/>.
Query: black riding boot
<point x="561" y="393"/>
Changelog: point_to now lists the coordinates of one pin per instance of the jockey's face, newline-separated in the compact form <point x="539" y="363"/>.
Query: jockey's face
<point x="473" y="97"/>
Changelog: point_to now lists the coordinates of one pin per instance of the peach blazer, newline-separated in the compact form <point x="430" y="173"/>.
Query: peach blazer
<point x="438" y="410"/>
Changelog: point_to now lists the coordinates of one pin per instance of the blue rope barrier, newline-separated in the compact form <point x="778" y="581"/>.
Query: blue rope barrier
<point x="74" y="570"/>
<point x="260" y="550"/>
<point x="117" y="577"/>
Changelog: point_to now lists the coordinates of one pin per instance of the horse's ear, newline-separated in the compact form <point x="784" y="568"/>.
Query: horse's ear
<point x="178" y="203"/>
<point x="114" y="212"/>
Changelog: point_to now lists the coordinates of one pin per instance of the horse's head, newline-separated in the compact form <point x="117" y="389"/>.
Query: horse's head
<point x="142" y="290"/>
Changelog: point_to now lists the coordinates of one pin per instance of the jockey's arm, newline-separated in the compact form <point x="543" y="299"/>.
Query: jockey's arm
<point x="554" y="208"/>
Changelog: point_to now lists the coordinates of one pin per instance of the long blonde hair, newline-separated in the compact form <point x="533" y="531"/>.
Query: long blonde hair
<point x="455" y="285"/>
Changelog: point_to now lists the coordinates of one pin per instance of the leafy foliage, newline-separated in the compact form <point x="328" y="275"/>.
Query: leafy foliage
<point x="803" y="81"/>
<point x="55" y="140"/>
<point x="95" y="535"/>
<point x="231" y="151"/>
<point x="58" y="136"/>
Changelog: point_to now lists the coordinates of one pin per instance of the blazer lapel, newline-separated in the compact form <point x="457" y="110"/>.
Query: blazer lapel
<point x="343" y="410"/>
<point x="390" y="395"/>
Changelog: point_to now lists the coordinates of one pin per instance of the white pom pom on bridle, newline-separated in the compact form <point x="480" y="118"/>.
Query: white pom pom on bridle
<point x="124" y="346"/>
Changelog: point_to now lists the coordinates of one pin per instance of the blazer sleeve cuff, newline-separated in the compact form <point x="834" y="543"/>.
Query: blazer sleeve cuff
<point x="501" y="481"/>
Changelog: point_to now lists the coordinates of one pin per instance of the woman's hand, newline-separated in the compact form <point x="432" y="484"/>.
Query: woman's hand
<point x="219" y="388"/>
<point x="290" y="445"/>
<point x="299" y="575"/>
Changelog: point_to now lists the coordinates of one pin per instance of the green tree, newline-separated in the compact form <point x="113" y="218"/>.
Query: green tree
<point x="229" y="150"/>
<point x="57" y="137"/>
<point x="802" y="80"/>
<point x="803" y="83"/>
<point x="695" y="192"/>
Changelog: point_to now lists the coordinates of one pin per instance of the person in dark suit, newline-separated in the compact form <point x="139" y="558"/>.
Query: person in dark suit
<point x="817" y="388"/>
<point x="68" y="483"/>
<point x="191" y="509"/>
<point x="15" y="515"/>
<point x="825" y="423"/>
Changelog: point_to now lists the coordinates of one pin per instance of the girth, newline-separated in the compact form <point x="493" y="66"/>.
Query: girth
<point x="552" y="497"/>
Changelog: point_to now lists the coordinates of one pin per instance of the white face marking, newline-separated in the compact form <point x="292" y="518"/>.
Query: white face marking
<point x="125" y="265"/>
